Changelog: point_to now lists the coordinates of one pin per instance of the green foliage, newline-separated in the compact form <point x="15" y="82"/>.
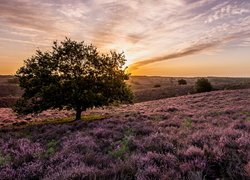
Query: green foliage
<point x="90" y="117"/>
<point x="123" y="146"/>
<point x="4" y="159"/>
<point x="73" y="76"/>
<point x="182" y="82"/>
<point x="157" y="85"/>
<point x="51" y="148"/>
<point x="128" y="132"/>
<point x="122" y="149"/>
<point x="157" y="117"/>
<point x="187" y="123"/>
<point x="93" y="117"/>
<point x="247" y="119"/>
<point x="203" y="85"/>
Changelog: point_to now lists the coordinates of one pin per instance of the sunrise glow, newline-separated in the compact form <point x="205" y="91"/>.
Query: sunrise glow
<point x="158" y="37"/>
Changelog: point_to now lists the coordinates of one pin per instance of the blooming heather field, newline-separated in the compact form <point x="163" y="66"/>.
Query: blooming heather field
<point x="189" y="137"/>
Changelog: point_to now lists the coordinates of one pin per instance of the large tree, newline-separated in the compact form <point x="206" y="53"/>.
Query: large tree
<point x="73" y="75"/>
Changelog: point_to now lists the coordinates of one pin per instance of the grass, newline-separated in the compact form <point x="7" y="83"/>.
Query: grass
<point x="123" y="148"/>
<point x="124" y="145"/>
<point x="51" y="148"/>
<point x="157" y="117"/>
<point x="247" y="119"/>
<point x="214" y="113"/>
<point x="86" y="118"/>
<point x="4" y="159"/>
<point x="187" y="123"/>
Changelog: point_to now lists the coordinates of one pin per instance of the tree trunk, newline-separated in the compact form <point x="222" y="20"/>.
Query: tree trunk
<point x="78" y="114"/>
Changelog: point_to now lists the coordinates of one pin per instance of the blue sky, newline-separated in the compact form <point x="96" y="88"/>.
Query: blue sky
<point x="159" y="37"/>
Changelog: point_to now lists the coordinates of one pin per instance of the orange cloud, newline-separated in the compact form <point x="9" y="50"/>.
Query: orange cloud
<point x="193" y="49"/>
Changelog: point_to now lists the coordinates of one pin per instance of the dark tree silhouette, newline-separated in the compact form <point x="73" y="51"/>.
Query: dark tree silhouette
<point x="72" y="75"/>
<point x="203" y="85"/>
<point x="182" y="82"/>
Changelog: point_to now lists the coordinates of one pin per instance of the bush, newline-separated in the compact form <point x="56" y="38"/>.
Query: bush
<point x="157" y="85"/>
<point x="203" y="85"/>
<point x="182" y="82"/>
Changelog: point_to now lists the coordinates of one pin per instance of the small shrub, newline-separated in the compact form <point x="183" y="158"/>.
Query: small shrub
<point x="247" y="119"/>
<point x="157" y="117"/>
<point x="203" y="85"/>
<point x="182" y="82"/>
<point x="157" y="85"/>
<point x="187" y="123"/>
<point x="51" y="148"/>
<point x="122" y="149"/>
<point x="4" y="159"/>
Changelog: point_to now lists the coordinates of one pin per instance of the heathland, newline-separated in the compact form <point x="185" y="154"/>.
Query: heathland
<point x="196" y="136"/>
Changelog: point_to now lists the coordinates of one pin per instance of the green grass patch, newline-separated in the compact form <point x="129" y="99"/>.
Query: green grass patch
<point x="4" y="159"/>
<point x="51" y="148"/>
<point x="129" y="132"/>
<point x="214" y="113"/>
<point x="124" y="145"/>
<point x="89" y="117"/>
<point x="93" y="117"/>
<point x="157" y="117"/>
<point x="187" y="123"/>
<point x="247" y="119"/>
<point x="245" y="113"/>
<point x="55" y="121"/>
<point x="122" y="149"/>
<point x="86" y="118"/>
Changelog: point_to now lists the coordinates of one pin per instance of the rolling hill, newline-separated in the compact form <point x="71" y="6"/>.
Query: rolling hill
<point x="197" y="136"/>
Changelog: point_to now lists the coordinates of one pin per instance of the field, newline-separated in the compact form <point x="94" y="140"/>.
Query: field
<point x="198" y="136"/>
<point x="145" y="88"/>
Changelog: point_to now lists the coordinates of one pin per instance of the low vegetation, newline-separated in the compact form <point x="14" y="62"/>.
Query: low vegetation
<point x="182" y="82"/>
<point x="203" y="85"/>
<point x="141" y="87"/>
<point x="184" y="137"/>
<point x="157" y="85"/>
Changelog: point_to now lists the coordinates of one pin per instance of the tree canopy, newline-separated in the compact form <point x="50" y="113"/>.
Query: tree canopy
<point x="73" y="75"/>
<point x="203" y="85"/>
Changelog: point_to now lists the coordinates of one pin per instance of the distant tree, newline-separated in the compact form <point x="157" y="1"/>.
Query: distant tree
<point x="157" y="85"/>
<point x="203" y="85"/>
<point x="182" y="82"/>
<point x="73" y="75"/>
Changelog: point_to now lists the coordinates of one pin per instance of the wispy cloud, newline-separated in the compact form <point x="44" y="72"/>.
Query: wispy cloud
<point x="195" y="48"/>
<point x="152" y="30"/>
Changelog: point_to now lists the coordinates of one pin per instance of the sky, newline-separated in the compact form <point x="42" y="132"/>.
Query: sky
<point x="158" y="37"/>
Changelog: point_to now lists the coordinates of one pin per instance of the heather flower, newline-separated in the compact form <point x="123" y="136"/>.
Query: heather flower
<point x="150" y="172"/>
<point x="31" y="170"/>
<point x="133" y="146"/>
<point x="157" y="143"/>
<point x="7" y="173"/>
<point x="247" y="169"/>
<point x="193" y="151"/>
<point x="73" y="172"/>
<point x="79" y="142"/>
<point x="22" y="150"/>
<point x="101" y="132"/>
